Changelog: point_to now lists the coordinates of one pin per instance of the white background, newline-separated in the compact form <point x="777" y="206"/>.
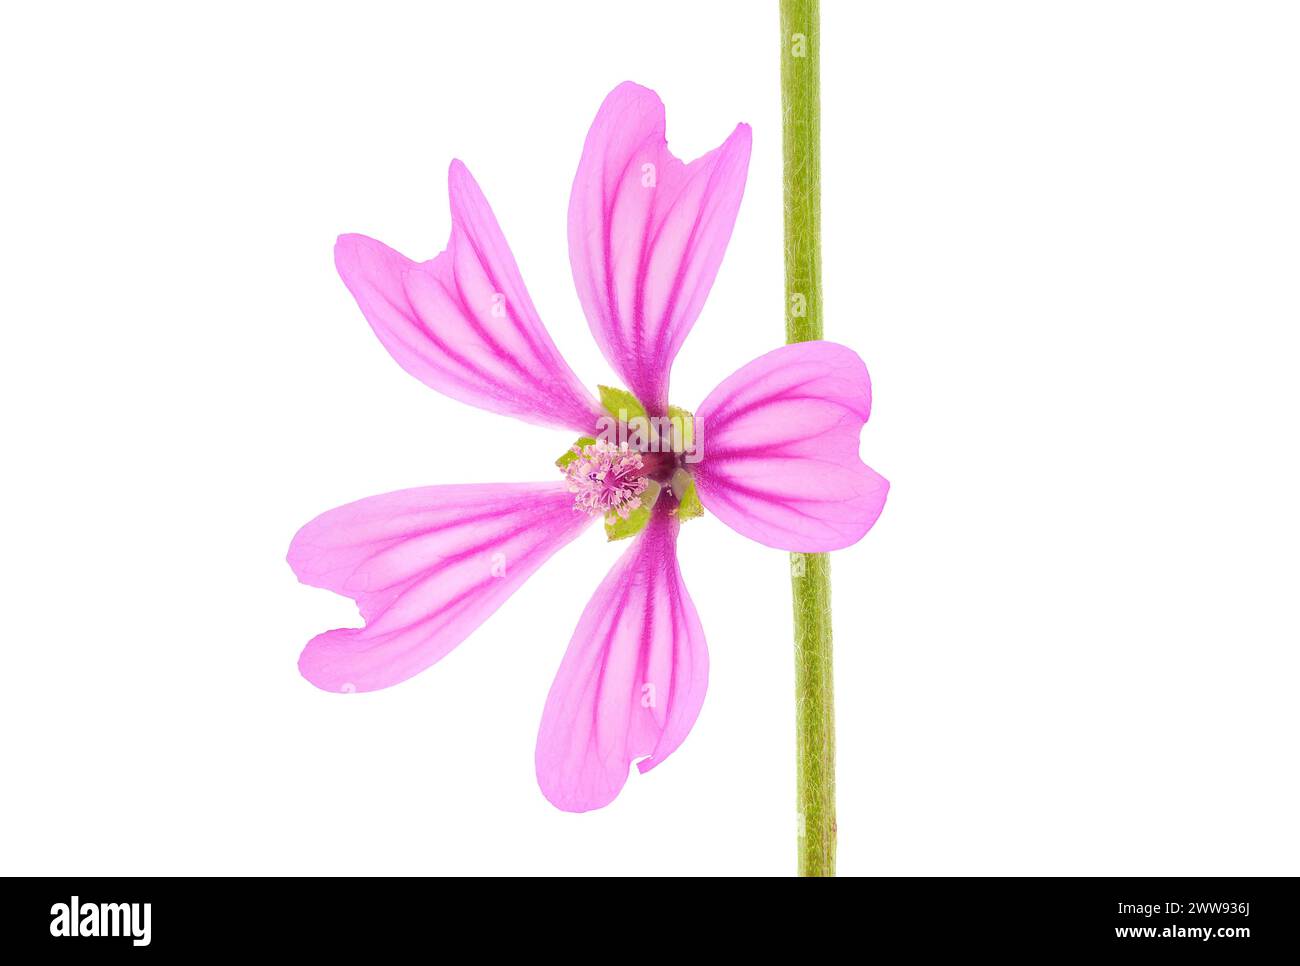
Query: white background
<point x="1063" y="236"/>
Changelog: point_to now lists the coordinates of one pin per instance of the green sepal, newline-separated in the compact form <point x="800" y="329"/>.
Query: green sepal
<point x="621" y="404"/>
<point x="627" y="409"/>
<point x="617" y="528"/>
<point x="683" y="428"/>
<point x="688" y="501"/>
<point x="571" y="454"/>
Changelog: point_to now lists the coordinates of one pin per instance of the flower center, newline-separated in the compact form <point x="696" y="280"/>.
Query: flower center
<point x="606" y="477"/>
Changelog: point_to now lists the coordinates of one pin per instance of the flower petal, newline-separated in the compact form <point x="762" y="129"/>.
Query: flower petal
<point x="426" y="567"/>
<point x="647" y="234"/>
<point x="462" y="323"/>
<point x="780" y="449"/>
<point x="632" y="681"/>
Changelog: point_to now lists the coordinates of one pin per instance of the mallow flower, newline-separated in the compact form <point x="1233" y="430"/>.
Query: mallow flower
<point x="772" y="452"/>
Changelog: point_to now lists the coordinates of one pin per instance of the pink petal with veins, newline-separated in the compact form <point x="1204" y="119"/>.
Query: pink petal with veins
<point x="780" y="443"/>
<point x="462" y="323"/>
<point x="647" y="234"/>
<point x="632" y="681"/>
<point x="426" y="567"/>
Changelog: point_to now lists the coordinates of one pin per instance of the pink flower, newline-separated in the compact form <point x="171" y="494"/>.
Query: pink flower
<point x="772" y="452"/>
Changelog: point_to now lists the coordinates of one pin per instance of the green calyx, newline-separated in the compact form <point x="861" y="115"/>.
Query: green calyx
<point x="574" y="451"/>
<point x="623" y="406"/>
<point x="682" y="426"/>
<point x="652" y="438"/>
<point x="688" y="501"/>
<point x="618" y="528"/>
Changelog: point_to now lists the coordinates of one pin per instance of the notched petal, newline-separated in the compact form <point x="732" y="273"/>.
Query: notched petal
<point x="463" y="323"/>
<point x="647" y="234"/>
<point x="632" y="681"/>
<point x="781" y="461"/>
<point x="426" y="567"/>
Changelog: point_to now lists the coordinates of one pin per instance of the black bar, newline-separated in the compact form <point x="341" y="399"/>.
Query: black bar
<point x="1222" y="917"/>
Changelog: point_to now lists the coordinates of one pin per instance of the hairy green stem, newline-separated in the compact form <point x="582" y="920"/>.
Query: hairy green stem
<point x="810" y="574"/>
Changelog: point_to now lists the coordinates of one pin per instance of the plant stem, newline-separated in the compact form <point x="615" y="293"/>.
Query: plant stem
<point x="809" y="573"/>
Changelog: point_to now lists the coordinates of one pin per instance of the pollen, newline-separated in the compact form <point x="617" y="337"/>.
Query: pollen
<point x="606" y="477"/>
